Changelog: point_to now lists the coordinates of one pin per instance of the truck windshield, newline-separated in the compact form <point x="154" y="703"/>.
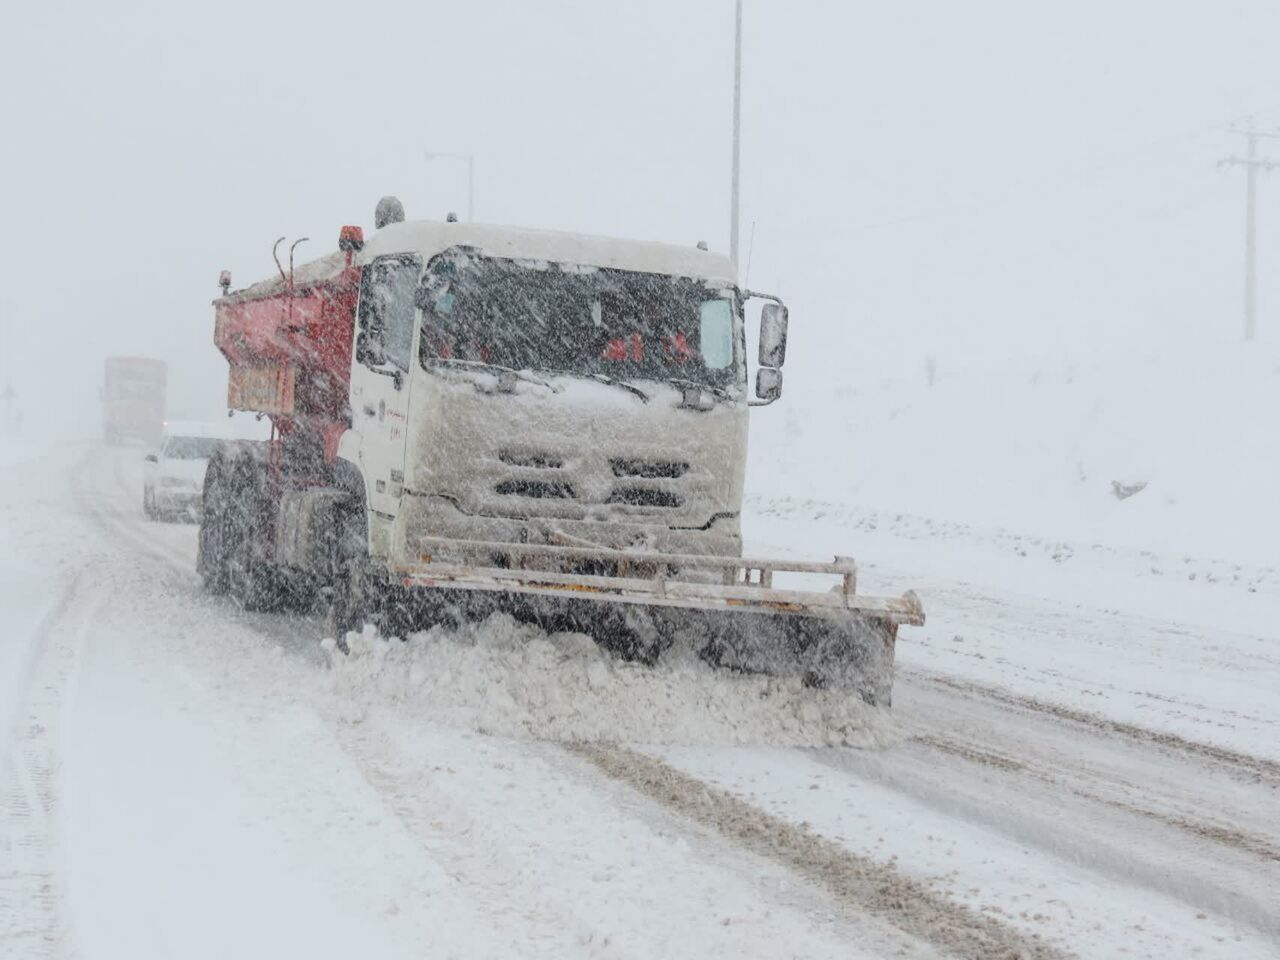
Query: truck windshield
<point x="588" y="321"/>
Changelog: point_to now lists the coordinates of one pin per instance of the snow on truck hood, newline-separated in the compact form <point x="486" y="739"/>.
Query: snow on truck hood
<point x="427" y="238"/>
<point x="591" y="451"/>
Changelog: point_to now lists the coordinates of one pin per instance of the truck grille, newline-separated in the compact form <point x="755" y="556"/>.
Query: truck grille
<point x="534" y="481"/>
<point x="648" y="469"/>
<point x="537" y="461"/>
<point x="538" y="489"/>
<point x="645" y="497"/>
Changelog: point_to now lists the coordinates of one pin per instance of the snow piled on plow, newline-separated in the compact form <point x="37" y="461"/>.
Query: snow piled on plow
<point x="505" y="678"/>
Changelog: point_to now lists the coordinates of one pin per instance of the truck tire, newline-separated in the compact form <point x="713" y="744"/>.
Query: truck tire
<point x="253" y="582"/>
<point x="211" y="555"/>
<point x="354" y="601"/>
<point x="355" y="591"/>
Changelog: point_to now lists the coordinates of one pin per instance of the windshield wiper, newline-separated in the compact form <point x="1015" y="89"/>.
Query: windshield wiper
<point x="603" y="378"/>
<point x="720" y="392"/>
<point x="496" y="368"/>
<point x="614" y="381"/>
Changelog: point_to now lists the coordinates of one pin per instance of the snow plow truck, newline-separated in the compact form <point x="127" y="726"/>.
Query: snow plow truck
<point x="471" y="418"/>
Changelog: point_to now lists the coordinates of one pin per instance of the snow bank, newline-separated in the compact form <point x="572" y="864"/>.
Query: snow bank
<point x="1034" y="444"/>
<point x="510" y="679"/>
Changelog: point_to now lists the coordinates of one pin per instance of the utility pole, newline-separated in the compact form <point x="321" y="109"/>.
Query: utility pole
<point x="1252" y="164"/>
<point x="737" y="131"/>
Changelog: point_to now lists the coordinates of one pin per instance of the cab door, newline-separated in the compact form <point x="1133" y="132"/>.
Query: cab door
<point x="380" y="375"/>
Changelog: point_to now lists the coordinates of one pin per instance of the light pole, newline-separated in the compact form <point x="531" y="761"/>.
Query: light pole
<point x="471" y="177"/>
<point x="737" y="128"/>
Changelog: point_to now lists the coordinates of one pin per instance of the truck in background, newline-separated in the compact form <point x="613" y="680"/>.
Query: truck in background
<point x="133" y="398"/>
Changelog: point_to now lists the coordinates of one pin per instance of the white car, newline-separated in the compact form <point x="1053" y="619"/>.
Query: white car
<point x="174" y="476"/>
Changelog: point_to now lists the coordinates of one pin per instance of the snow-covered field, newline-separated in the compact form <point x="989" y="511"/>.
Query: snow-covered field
<point x="1083" y="757"/>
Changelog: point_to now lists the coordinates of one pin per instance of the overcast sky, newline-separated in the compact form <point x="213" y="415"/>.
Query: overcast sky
<point x="944" y="178"/>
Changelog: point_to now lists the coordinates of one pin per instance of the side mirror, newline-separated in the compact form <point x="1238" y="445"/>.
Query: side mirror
<point x="773" y="335"/>
<point x="152" y="458"/>
<point x="768" y="384"/>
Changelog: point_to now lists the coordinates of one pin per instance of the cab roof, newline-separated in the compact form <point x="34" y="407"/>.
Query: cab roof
<point x="429" y="237"/>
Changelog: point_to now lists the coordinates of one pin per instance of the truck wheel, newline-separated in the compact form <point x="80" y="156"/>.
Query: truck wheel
<point x="355" y="594"/>
<point x="399" y="614"/>
<point x="356" y="600"/>
<point x="211" y="556"/>
<point x="252" y="582"/>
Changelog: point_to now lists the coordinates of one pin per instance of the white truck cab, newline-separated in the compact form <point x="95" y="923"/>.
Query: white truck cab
<point x="513" y="384"/>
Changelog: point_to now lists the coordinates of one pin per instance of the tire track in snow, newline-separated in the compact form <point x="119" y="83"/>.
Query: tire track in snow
<point x="26" y="663"/>
<point x="588" y="863"/>
<point x="34" y="919"/>
<point x="450" y="835"/>
<point x="1259" y="846"/>
<point x="119" y="525"/>
<point x="104" y="509"/>
<point x="861" y="885"/>
<point x="139" y="527"/>
<point x="1252" y="768"/>
<point x="95" y="504"/>
<point x="1047" y="821"/>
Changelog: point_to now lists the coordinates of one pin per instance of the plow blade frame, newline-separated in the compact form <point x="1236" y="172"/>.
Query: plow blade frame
<point x="733" y="613"/>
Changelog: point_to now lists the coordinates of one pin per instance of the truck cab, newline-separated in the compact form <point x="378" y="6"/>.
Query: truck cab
<point x="536" y="387"/>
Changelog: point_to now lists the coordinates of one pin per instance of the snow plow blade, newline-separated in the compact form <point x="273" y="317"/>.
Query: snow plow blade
<point x="640" y="604"/>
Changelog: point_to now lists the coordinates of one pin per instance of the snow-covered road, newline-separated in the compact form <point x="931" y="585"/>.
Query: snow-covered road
<point x="1084" y="765"/>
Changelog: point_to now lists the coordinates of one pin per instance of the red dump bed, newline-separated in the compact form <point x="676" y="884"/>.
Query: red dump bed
<point x="288" y="344"/>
